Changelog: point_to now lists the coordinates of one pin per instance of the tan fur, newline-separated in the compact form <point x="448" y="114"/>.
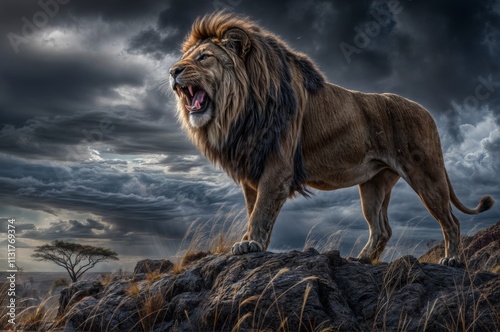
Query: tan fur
<point x="346" y="137"/>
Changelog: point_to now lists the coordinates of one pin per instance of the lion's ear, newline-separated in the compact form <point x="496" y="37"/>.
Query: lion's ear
<point x="237" y="40"/>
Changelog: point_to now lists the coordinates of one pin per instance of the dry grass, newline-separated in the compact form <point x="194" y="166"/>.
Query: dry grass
<point x="330" y="241"/>
<point x="106" y="279"/>
<point x="133" y="290"/>
<point x="32" y="319"/>
<point x="4" y="319"/>
<point x="152" y="276"/>
<point x="153" y="307"/>
<point x="39" y="317"/>
<point x="212" y="237"/>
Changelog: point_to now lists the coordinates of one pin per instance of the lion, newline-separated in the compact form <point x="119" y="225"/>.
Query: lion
<point x="266" y="115"/>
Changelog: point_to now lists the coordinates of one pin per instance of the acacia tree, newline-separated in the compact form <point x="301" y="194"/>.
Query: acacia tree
<point x="75" y="258"/>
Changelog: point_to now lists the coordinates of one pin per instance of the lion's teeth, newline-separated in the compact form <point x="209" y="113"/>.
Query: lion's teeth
<point x="190" y="87"/>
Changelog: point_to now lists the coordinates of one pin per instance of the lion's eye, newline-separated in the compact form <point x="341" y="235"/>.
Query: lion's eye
<point x="202" y="57"/>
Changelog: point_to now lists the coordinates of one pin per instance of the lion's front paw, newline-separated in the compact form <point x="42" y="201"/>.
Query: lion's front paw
<point x="451" y="261"/>
<point x="244" y="247"/>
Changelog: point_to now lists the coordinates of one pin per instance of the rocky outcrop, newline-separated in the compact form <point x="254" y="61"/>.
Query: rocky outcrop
<point x="265" y="291"/>
<point x="297" y="290"/>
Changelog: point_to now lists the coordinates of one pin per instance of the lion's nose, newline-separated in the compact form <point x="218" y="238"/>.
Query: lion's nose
<point x="175" y="71"/>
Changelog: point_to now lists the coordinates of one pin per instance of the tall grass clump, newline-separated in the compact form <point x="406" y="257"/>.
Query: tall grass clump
<point x="215" y="236"/>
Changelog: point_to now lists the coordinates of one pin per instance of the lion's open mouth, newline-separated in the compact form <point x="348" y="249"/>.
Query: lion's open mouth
<point x="196" y="98"/>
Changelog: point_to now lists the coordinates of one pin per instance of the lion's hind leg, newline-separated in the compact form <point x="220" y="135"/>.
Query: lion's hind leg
<point x="432" y="188"/>
<point x="375" y="195"/>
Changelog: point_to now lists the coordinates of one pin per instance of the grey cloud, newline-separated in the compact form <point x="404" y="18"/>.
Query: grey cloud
<point x="116" y="10"/>
<point x="51" y="84"/>
<point x="141" y="201"/>
<point x="172" y="25"/>
<point x="151" y="42"/>
<point x="492" y="147"/>
<point x="177" y="163"/>
<point x="67" y="12"/>
<point x="71" y="229"/>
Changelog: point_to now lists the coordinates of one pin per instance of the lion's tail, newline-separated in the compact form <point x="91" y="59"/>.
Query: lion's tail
<point x="485" y="204"/>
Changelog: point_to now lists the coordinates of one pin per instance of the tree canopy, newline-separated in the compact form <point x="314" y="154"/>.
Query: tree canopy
<point x="75" y="258"/>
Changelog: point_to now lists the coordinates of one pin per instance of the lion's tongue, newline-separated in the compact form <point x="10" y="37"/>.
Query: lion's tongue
<point x="198" y="98"/>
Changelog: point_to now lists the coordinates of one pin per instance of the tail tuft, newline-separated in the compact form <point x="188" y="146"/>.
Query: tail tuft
<point x="485" y="204"/>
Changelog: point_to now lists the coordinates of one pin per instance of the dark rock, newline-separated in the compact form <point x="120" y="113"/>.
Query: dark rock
<point x="334" y="258"/>
<point x="151" y="266"/>
<point x="487" y="258"/>
<point x="79" y="290"/>
<point x="293" y="291"/>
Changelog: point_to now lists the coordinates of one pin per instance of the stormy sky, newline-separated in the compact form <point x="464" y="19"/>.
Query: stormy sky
<point x="91" y="152"/>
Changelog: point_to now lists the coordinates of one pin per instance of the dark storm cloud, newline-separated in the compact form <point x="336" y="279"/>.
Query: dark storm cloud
<point x="49" y="84"/>
<point x="150" y="41"/>
<point x="116" y="10"/>
<point x="68" y="12"/>
<point x="174" y="22"/>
